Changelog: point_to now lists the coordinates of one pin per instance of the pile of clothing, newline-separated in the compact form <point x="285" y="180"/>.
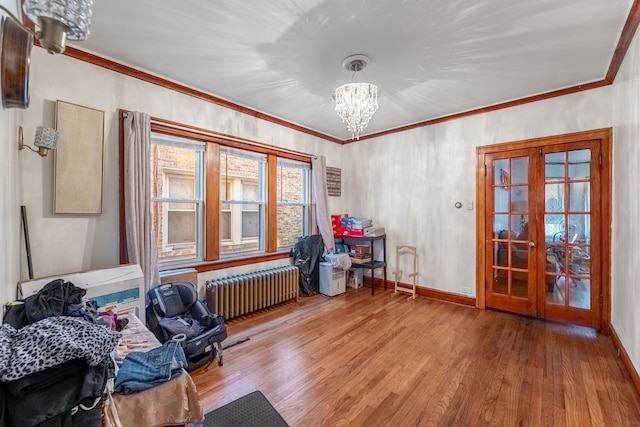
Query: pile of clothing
<point x="55" y="359"/>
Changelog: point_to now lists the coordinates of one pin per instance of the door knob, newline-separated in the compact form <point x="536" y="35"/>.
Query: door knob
<point x="532" y="244"/>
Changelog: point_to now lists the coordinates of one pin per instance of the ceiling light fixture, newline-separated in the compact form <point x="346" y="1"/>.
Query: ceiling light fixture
<point x="58" y="20"/>
<point x="356" y="102"/>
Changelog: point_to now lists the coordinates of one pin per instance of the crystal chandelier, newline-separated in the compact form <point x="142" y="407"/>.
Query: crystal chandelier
<point x="356" y="102"/>
<point x="59" y="20"/>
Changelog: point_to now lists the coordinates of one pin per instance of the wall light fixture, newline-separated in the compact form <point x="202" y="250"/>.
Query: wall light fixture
<point x="46" y="139"/>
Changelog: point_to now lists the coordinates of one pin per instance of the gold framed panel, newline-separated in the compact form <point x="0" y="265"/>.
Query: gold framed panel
<point x="78" y="162"/>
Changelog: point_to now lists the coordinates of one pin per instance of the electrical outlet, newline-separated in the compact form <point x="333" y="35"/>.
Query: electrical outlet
<point x="466" y="291"/>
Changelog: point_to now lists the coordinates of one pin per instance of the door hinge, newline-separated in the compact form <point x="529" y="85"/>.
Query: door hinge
<point x="601" y="299"/>
<point x="600" y="160"/>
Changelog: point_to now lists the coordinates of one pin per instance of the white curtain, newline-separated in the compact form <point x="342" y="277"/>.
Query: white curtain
<point x="323" y="217"/>
<point x="137" y="198"/>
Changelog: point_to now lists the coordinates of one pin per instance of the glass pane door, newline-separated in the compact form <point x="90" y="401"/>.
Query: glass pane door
<point x="544" y="235"/>
<point x="512" y="284"/>
<point x="567" y="230"/>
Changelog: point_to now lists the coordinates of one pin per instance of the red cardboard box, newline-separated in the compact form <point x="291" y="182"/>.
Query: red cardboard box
<point x="348" y="232"/>
<point x="339" y="231"/>
<point x="335" y="220"/>
<point x="355" y="232"/>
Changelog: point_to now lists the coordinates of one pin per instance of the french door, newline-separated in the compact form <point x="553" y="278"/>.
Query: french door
<point x="543" y="245"/>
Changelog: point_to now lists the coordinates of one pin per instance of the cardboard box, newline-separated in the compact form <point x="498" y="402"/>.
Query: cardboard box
<point x="354" y="232"/>
<point x="339" y="232"/>
<point x="360" y="259"/>
<point x="335" y="220"/>
<point x="374" y="231"/>
<point x="182" y="275"/>
<point x="361" y="249"/>
<point x="118" y="288"/>
<point x="355" y="279"/>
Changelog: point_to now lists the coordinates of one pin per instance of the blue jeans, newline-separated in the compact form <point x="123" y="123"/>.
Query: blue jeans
<point x="140" y="371"/>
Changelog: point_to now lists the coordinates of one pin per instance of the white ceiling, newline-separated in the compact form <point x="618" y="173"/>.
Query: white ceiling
<point x="429" y="58"/>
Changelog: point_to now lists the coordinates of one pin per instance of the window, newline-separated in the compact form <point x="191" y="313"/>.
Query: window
<point x="225" y="212"/>
<point x="180" y="216"/>
<point x="219" y="201"/>
<point x="250" y="213"/>
<point x="176" y="197"/>
<point x="242" y="206"/>
<point x="292" y="190"/>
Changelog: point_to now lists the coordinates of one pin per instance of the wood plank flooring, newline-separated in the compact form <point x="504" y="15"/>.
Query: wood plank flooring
<point x="362" y="360"/>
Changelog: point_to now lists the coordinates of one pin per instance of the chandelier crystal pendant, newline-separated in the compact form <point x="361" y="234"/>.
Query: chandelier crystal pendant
<point x="356" y="102"/>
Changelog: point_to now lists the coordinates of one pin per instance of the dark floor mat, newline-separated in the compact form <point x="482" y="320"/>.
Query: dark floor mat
<point x="252" y="410"/>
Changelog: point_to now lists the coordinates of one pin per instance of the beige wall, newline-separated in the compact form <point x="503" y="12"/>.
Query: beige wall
<point x="11" y="250"/>
<point x="625" y="256"/>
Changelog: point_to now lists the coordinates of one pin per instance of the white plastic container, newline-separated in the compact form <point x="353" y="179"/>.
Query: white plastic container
<point x="333" y="281"/>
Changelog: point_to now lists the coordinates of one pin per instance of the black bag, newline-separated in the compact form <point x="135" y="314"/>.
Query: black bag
<point x="307" y="254"/>
<point x="64" y="388"/>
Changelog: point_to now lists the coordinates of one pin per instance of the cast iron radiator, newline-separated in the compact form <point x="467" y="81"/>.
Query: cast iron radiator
<point x="245" y="293"/>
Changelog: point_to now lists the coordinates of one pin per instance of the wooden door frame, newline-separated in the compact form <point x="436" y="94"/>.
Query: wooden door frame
<point x="605" y="136"/>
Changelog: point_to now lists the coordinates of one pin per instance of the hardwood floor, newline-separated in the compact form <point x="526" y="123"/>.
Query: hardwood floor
<point x="362" y="360"/>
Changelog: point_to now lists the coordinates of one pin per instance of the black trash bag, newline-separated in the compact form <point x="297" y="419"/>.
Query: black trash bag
<point x="3" y="404"/>
<point x="62" y="388"/>
<point x="307" y="254"/>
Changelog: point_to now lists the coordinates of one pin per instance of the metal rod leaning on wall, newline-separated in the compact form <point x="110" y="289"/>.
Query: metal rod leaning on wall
<point x="27" y="243"/>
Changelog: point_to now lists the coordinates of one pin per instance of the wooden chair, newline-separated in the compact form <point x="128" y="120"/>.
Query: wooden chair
<point x="403" y="250"/>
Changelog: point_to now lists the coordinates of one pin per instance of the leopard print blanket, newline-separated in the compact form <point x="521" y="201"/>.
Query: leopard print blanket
<point x="50" y="342"/>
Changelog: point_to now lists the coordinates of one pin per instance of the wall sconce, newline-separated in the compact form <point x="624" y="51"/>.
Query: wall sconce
<point x="57" y="20"/>
<point x="46" y="139"/>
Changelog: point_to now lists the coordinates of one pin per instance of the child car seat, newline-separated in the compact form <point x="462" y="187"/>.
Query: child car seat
<point x="174" y="312"/>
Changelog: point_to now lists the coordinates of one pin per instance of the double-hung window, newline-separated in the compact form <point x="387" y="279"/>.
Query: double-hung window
<point x="292" y="195"/>
<point x="242" y="201"/>
<point x="176" y="181"/>
<point x="217" y="200"/>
